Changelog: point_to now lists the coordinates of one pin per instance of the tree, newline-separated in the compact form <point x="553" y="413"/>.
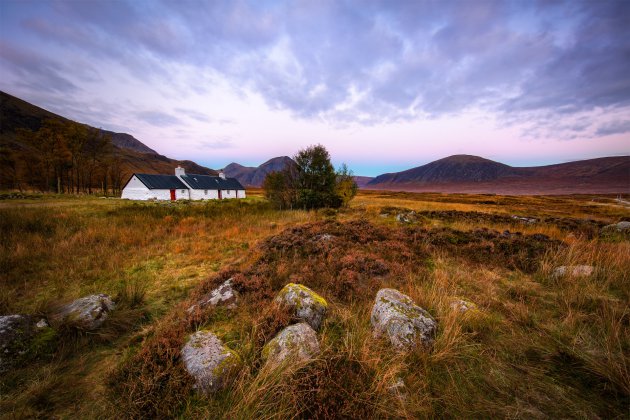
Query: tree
<point x="311" y="183"/>
<point x="346" y="187"/>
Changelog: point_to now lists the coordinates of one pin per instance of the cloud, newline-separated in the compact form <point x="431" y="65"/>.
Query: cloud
<point x="158" y="119"/>
<point x="344" y="62"/>
<point x="614" y="127"/>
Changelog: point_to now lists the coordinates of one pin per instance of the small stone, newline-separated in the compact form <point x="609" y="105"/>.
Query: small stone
<point x="462" y="305"/>
<point x="296" y="344"/>
<point x="623" y="226"/>
<point x="403" y="322"/>
<point x="307" y="305"/>
<point x="88" y="313"/>
<point x="398" y="388"/>
<point x="42" y="323"/>
<point x="222" y="295"/>
<point x="526" y="220"/>
<point x="209" y="361"/>
<point x="16" y="332"/>
<point x="573" y="271"/>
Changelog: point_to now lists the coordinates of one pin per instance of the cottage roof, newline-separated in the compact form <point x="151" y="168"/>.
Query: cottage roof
<point x="207" y="182"/>
<point x="161" y="182"/>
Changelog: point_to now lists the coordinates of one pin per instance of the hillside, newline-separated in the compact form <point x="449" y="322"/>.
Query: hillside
<point x="473" y="174"/>
<point x="129" y="153"/>
<point x="254" y="176"/>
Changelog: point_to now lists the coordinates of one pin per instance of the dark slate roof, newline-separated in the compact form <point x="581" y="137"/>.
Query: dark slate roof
<point x="207" y="182"/>
<point x="161" y="182"/>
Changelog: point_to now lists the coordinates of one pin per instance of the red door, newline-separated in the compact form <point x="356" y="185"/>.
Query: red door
<point x="172" y="195"/>
<point x="220" y="195"/>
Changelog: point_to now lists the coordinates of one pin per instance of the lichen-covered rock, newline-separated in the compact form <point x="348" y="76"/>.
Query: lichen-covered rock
<point x="403" y="322"/>
<point x="619" y="227"/>
<point x="307" y="305"/>
<point x="573" y="271"/>
<point x="16" y="335"/>
<point x="222" y="295"/>
<point x="462" y="305"/>
<point x="295" y="344"/>
<point x="87" y="313"/>
<point x="209" y="361"/>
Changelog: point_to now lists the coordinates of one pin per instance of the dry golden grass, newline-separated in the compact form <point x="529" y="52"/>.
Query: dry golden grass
<point x="535" y="346"/>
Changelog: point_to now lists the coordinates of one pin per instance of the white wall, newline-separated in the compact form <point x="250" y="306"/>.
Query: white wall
<point x="136" y="190"/>
<point x="232" y="194"/>
<point x="202" y="195"/>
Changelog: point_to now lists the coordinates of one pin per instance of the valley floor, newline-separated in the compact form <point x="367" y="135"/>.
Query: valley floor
<point x="535" y="345"/>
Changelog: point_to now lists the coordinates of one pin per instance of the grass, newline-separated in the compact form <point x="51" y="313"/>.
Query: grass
<point x="534" y="346"/>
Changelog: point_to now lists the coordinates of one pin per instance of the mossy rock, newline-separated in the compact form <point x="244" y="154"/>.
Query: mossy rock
<point x="22" y="337"/>
<point x="397" y="317"/>
<point x="209" y="361"/>
<point x="307" y="305"/>
<point x="294" y="345"/>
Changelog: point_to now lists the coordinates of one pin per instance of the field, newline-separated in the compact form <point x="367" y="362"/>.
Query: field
<point x="534" y="346"/>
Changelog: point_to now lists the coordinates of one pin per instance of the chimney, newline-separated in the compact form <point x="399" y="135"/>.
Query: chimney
<point x="179" y="171"/>
<point x="221" y="174"/>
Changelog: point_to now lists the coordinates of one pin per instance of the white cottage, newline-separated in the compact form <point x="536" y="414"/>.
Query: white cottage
<point x="182" y="186"/>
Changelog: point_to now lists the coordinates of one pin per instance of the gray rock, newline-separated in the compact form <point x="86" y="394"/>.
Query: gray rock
<point x="619" y="227"/>
<point x="87" y="313"/>
<point x="573" y="271"/>
<point x="295" y="344"/>
<point x="209" y="361"/>
<point x="222" y="295"/>
<point x="404" y="323"/>
<point x="526" y="220"/>
<point x="16" y="335"/>
<point x="307" y="305"/>
<point x="462" y="305"/>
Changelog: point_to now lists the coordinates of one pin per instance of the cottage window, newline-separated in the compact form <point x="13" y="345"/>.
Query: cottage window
<point x="183" y="191"/>
<point x="205" y="192"/>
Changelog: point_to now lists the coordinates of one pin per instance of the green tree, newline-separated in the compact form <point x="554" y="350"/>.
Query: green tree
<point x="311" y="183"/>
<point x="346" y="187"/>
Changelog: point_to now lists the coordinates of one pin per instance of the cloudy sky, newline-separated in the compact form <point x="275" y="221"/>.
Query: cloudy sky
<point x="384" y="85"/>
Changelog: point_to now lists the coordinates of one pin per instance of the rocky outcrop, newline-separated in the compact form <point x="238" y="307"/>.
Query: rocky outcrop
<point x="295" y="344"/>
<point x="573" y="271"/>
<point x="223" y="295"/>
<point x="395" y="316"/>
<point x="17" y="333"/>
<point x="306" y="305"/>
<point x="209" y="361"/>
<point x="87" y="313"/>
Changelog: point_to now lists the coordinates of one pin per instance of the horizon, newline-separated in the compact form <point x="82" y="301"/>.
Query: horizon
<point x="385" y="87"/>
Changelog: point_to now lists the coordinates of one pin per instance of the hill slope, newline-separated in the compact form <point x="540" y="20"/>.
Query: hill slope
<point x="133" y="155"/>
<point x="254" y="176"/>
<point x="473" y="174"/>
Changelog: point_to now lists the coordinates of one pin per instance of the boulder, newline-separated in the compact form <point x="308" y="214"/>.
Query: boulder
<point x="222" y="295"/>
<point x="573" y="271"/>
<point x="87" y="313"/>
<point x="16" y="335"/>
<point x="619" y="227"/>
<point x="296" y="343"/>
<point x="209" y="361"/>
<point x="526" y="220"/>
<point x="462" y="305"/>
<point x="306" y="305"/>
<point x="403" y="322"/>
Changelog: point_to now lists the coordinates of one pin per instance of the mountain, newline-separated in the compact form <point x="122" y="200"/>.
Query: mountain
<point x="254" y="176"/>
<point x="474" y="174"/>
<point x="362" y="181"/>
<point x="131" y="154"/>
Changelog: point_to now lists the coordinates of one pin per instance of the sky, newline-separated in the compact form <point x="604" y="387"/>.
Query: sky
<point x="383" y="85"/>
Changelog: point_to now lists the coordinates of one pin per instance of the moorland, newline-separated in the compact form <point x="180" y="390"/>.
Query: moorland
<point x="535" y="344"/>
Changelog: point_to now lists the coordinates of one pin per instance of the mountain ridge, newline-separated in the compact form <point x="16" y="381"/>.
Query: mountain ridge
<point x="474" y="174"/>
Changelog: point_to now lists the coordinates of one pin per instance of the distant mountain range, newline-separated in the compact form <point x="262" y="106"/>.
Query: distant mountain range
<point x="254" y="176"/>
<point x="474" y="174"/>
<point x="135" y="156"/>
